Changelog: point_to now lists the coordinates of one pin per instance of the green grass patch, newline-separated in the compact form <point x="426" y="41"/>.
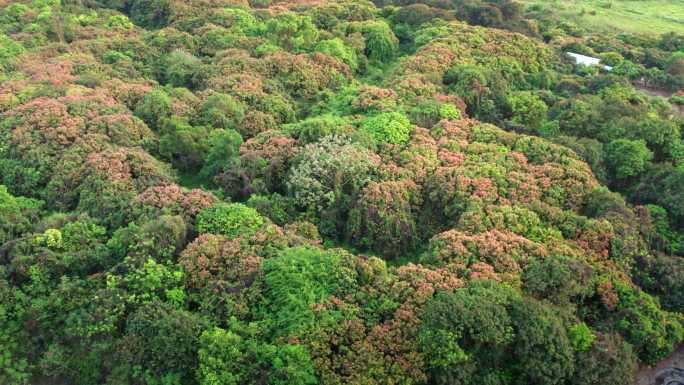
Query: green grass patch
<point x="646" y="17"/>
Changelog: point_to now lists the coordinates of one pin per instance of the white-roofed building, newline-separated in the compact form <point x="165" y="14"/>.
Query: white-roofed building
<point x="588" y="61"/>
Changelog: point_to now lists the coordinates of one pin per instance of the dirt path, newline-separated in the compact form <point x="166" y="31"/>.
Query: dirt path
<point x="646" y="375"/>
<point x="653" y="92"/>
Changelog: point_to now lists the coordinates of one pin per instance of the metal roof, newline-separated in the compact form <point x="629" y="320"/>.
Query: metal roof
<point x="587" y="60"/>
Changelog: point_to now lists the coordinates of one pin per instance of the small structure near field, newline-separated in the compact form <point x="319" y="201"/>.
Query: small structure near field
<point x="588" y="61"/>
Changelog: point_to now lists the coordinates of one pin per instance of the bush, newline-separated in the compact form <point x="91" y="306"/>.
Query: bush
<point x="182" y="144"/>
<point x="222" y="154"/>
<point x="230" y="219"/>
<point x="627" y="158"/>
<point x="151" y="13"/>
<point x="155" y="107"/>
<point x="337" y="49"/>
<point x="381" y="44"/>
<point x="17" y="215"/>
<point x="313" y="129"/>
<point x="183" y="69"/>
<point x="388" y="127"/>
<point x="8" y="50"/>
<point x="152" y="331"/>
<point x="327" y="176"/>
<point x="558" y="278"/>
<point x="222" y="111"/>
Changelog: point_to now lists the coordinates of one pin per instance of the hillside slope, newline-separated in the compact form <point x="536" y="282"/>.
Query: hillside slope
<point x="318" y="192"/>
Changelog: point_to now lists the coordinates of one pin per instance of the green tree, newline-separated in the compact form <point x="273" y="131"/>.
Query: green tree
<point x="163" y="342"/>
<point x="662" y="276"/>
<point x="388" y="127"/>
<point x="315" y="128"/>
<point x="675" y="67"/>
<point x="222" y="111"/>
<point x="488" y="333"/>
<point x="609" y="361"/>
<point x="381" y="44"/>
<point x="292" y="31"/>
<point x="17" y="215"/>
<point x="430" y="112"/>
<point x="150" y="13"/>
<point x="529" y="110"/>
<point x="652" y="331"/>
<point x="9" y="49"/>
<point x="230" y="219"/>
<point x="558" y="278"/>
<point x="663" y="184"/>
<point x="238" y="355"/>
<point x="154" y="108"/>
<point x="337" y="49"/>
<point x="183" y="144"/>
<point x="292" y="366"/>
<point x="222" y="153"/>
<point x="182" y="69"/>
<point x="15" y="367"/>
<point x="542" y="349"/>
<point x="470" y="82"/>
<point x="299" y="278"/>
<point x="627" y="158"/>
<point x="612" y="58"/>
<point x="222" y="360"/>
<point x="465" y="334"/>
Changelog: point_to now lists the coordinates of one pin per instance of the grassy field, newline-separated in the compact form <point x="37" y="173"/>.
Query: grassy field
<point x="634" y="16"/>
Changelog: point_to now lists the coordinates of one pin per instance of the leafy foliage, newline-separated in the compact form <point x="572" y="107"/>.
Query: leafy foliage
<point x="348" y="192"/>
<point x="230" y="219"/>
<point x="390" y="127"/>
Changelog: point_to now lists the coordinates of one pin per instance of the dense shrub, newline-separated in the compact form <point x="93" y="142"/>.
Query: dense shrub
<point x="389" y="127"/>
<point x="230" y="219"/>
<point x="337" y="49"/>
<point x="18" y="215"/>
<point x="222" y="111"/>
<point x="467" y="335"/>
<point x="330" y="173"/>
<point x="150" y="332"/>
<point x="154" y="107"/>
<point x="151" y="13"/>
<point x="627" y="158"/>
<point x="383" y="220"/>
<point x="380" y="42"/>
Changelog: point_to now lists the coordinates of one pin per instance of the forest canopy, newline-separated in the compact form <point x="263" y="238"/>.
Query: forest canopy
<point x="402" y="192"/>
